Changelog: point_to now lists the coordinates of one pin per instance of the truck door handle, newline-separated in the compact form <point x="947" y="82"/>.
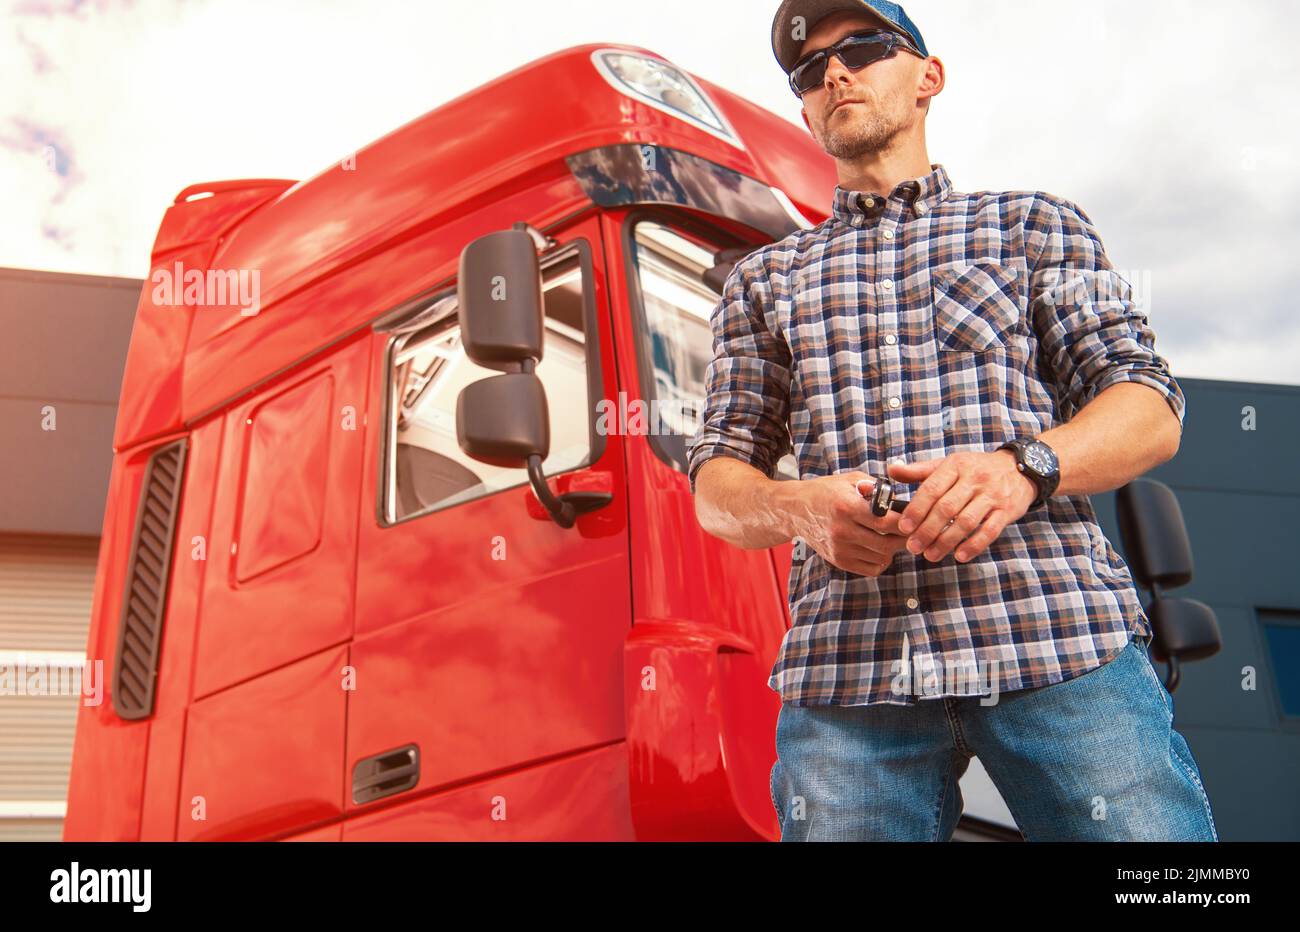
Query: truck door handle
<point x="385" y="774"/>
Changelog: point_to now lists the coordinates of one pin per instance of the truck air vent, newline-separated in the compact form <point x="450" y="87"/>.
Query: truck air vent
<point x="144" y="598"/>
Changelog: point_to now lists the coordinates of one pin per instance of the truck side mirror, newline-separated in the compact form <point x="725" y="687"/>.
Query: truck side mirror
<point x="1155" y="537"/>
<point x="499" y="294"/>
<point x="1160" y="556"/>
<point x="504" y="420"/>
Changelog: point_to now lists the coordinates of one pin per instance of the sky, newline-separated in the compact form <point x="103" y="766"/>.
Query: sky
<point x="1173" y="126"/>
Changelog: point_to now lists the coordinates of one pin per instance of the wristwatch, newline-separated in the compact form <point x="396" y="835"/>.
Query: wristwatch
<point x="1036" y="460"/>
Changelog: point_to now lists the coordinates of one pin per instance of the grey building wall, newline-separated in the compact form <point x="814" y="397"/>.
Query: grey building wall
<point x="1239" y="490"/>
<point x="67" y="337"/>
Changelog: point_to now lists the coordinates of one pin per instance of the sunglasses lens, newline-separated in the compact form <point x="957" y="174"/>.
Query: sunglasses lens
<point x="862" y="53"/>
<point x="856" y="52"/>
<point x="808" y="75"/>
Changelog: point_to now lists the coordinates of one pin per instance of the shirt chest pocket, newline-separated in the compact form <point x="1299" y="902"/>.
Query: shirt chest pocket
<point x="976" y="307"/>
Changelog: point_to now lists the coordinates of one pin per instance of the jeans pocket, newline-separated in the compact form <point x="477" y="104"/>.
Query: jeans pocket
<point x="1144" y="645"/>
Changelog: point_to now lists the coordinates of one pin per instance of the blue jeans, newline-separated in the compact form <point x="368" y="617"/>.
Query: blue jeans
<point x="1095" y="758"/>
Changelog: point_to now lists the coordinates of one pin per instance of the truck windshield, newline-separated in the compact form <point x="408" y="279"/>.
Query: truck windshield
<point x="676" y="304"/>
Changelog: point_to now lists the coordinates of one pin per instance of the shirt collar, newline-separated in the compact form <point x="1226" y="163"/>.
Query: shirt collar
<point x="922" y="194"/>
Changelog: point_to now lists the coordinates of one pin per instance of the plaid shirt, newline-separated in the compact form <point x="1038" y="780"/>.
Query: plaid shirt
<point x="909" y="328"/>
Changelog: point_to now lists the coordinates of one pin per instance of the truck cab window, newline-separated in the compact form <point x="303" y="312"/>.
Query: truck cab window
<point x="425" y="468"/>
<point x="670" y="269"/>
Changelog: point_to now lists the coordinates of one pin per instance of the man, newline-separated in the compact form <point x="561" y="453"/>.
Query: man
<point x="914" y="334"/>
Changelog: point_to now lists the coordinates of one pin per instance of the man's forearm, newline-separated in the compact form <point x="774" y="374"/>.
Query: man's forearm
<point x="737" y="503"/>
<point x="1127" y="430"/>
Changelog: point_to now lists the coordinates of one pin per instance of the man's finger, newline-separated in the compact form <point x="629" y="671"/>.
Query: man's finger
<point x="886" y="523"/>
<point x="915" y="471"/>
<point x="866" y="554"/>
<point x="964" y="524"/>
<point x="942" y="515"/>
<point x="994" y="524"/>
<point x="930" y="491"/>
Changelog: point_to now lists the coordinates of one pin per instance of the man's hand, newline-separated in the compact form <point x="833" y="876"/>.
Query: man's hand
<point x="833" y="518"/>
<point x="965" y="498"/>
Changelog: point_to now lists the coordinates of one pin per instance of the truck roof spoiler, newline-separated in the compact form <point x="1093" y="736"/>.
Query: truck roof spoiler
<point x="209" y="209"/>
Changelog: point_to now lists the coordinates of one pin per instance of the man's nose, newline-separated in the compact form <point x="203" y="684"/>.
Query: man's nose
<point x="836" y="73"/>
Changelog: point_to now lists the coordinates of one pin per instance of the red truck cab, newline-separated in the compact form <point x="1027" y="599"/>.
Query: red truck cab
<point x="322" y="618"/>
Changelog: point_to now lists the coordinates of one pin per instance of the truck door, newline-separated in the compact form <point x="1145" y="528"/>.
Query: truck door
<point x="489" y="641"/>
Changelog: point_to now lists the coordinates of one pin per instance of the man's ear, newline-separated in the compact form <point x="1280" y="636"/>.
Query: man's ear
<point x="932" y="79"/>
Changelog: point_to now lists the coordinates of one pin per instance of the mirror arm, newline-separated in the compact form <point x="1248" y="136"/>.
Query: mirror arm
<point x="540" y="240"/>
<point x="1173" y="671"/>
<point x="566" y="508"/>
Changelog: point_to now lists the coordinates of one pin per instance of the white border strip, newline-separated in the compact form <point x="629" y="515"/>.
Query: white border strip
<point x="46" y="809"/>
<point x="43" y="658"/>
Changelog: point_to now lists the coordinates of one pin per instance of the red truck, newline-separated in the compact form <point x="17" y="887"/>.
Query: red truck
<point x="374" y="565"/>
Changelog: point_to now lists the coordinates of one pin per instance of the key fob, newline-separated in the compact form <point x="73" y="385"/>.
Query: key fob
<point x="882" y="497"/>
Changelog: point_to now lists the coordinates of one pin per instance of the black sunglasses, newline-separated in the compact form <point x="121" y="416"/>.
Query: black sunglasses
<point x="856" y="51"/>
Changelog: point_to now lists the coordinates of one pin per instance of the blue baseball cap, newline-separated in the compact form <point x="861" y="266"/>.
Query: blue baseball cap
<point x="806" y="14"/>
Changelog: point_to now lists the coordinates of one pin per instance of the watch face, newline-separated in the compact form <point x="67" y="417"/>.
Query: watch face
<point x="1040" y="458"/>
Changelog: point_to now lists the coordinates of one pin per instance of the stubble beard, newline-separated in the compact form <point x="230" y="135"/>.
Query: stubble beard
<point x="858" y="136"/>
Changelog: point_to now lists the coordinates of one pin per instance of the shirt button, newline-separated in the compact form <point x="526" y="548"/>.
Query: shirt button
<point x="920" y="209"/>
<point x="891" y="339"/>
<point x="888" y="234"/>
<point x="887" y="285"/>
<point x="894" y="402"/>
<point x="912" y="603"/>
<point x="868" y="202"/>
<point x="897" y="460"/>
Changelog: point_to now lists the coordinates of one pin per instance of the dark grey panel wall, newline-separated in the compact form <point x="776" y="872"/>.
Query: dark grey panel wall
<point x="1240" y="494"/>
<point x="67" y="337"/>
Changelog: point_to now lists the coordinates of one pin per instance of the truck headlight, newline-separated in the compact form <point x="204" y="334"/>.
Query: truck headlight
<point x="658" y="84"/>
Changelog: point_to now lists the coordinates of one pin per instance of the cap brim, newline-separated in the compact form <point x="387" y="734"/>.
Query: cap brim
<point x="786" y="47"/>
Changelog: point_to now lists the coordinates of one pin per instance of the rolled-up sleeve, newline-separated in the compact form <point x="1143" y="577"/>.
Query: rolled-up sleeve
<point x="1091" y="333"/>
<point x="747" y="383"/>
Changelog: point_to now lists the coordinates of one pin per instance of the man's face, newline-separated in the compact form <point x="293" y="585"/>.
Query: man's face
<point x="875" y="104"/>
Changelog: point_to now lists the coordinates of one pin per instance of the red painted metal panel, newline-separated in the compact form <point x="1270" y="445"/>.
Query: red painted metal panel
<point x="108" y="754"/>
<point x="287" y="440"/>
<point x="325" y="833"/>
<point x="700" y="734"/>
<point x="577" y="798"/>
<point x="176" y="657"/>
<point x="162" y="776"/>
<point x="299" y="601"/>
<point x="266" y="757"/>
<point x="520" y="668"/>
